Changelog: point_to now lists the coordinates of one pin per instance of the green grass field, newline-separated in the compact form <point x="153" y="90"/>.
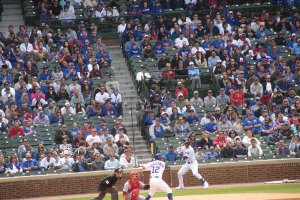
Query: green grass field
<point x="276" y="188"/>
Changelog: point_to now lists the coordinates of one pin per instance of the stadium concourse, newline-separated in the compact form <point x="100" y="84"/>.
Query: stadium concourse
<point x="223" y="75"/>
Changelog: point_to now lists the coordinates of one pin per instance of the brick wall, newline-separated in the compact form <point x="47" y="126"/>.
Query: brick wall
<point x="214" y="173"/>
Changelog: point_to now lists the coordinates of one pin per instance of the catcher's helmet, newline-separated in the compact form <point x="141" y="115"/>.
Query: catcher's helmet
<point x="134" y="175"/>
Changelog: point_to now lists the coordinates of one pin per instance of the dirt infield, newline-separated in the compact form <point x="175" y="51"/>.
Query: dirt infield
<point x="244" y="196"/>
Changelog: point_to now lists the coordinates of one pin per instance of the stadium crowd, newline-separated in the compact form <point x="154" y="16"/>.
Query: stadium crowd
<point x="60" y="84"/>
<point x="256" y="62"/>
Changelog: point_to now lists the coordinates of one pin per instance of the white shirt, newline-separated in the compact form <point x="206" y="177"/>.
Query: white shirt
<point x="140" y="76"/>
<point x="101" y="97"/>
<point x="62" y="161"/>
<point x="90" y="67"/>
<point x="187" y="20"/>
<point x="45" y="163"/>
<point x="116" y="99"/>
<point x="64" y="111"/>
<point x="90" y="139"/>
<point x="179" y="42"/>
<point x="169" y="110"/>
<point x="190" y="1"/>
<point x="24" y="48"/>
<point x="12" y="92"/>
<point x="127" y="163"/>
<point x="5" y="63"/>
<point x="121" y="28"/>
<point x="195" y="50"/>
<point x="101" y="14"/>
<point x="254" y="151"/>
<point x="117" y="137"/>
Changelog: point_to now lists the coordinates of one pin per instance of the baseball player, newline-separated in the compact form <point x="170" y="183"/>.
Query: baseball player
<point x="132" y="187"/>
<point x="187" y="153"/>
<point x="107" y="185"/>
<point x="157" y="167"/>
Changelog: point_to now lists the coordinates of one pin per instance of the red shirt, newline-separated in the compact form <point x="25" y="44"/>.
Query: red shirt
<point x="13" y="132"/>
<point x="168" y="75"/>
<point x="237" y="98"/>
<point x="181" y="90"/>
<point x="220" y="141"/>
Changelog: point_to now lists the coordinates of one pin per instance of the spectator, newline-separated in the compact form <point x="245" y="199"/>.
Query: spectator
<point x="275" y="137"/>
<point x="16" y="130"/>
<point x="63" y="134"/>
<point x="282" y="149"/>
<point x="227" y="151"/>
<point x="254" y="150"/>
<point x="110" y="145"/>
<point x="224" y="124"/>
<point x="209" y="100"/>
<point x="79" y="165"/>
<point x="182" y="129"/>
<point x="240" y="151"/>
<point x="112" y="163"/>
<point x="48" y="163"/>
<point x="41" y="119"/>
<point x="128" y="161"/>
<point x="157" y="130"/>
<point x="220" y="140"/>
<point x="171" y="155"/>
<point x="65" y="163"/>
<point x="211" y="126"/>
<point x="212" y="155"/>
<point x="252" y="123"/>
<point x="200" y="155"/>
<point x="30" y="164"/>
<point x="248" y="137"/>
<point x="294" y="144"/>
<point x="94" y="137"/>
<point x="97" y="164"/>
<point x="14" y="166"/>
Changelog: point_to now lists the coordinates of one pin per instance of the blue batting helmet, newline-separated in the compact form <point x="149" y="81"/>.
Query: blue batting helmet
<point x="158" y="156"/>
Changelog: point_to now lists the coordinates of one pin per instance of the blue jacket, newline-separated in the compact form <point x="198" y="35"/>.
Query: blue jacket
<point x="27" y="164"/>
<point x="112" y="111"/>
<point x="232" y="21"/>
<point x="263" y="33"/>
<point x="210" y="127"/>
<point x="209" y="155"/>
<point x="171" y="156"/>
<point x="134" y="52"/>
<point x="191" y="120"/>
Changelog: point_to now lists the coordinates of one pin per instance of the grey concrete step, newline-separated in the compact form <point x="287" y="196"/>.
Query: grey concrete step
<point x="11" y="6"/>
<point x="14" y="10"/>
<point x="11" y="2"/>
<point x="12" y="18"/>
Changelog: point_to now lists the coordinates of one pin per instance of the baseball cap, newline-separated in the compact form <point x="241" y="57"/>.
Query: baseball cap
<point x="42" y="114"/>
<point x="156" y="94"/>
<point x="211" y="147"/>
<point x="250" y="113"/>
<point x="196" y="92"/>
<point x="157" y="119"/>
<point x="163" y="113"/>
<point x="191" y="63"/>
<point x="212" y="118"/>
<point x="199" y="148"/>
<point x="186" y="142"/>
<point x="67" y="104"/>
<point x="223" y="116"/>
<point x="179" y="83"/>
<point x="219" y="61"/>
<point x="230" y="12"/>
<point x="222" y="89"/>
<point x="261" y="103"/>
<point x="171" y="145"/>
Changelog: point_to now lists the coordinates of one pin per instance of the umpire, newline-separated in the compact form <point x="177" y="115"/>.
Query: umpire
<point x="107" y="185"/>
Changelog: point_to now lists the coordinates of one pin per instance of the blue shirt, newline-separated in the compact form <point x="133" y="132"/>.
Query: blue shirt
<point x="210" y="127"/>
<point x="159" y="132"/>
<point x="27" y="164"/>
<point x="192" y="120"/>
<point x="171" y="156"/>
<point x="209" y="155"/>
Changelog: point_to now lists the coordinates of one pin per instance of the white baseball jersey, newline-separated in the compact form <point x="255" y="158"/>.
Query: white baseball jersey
<point x="189" y="153"/>
<point x="156" y="168"/>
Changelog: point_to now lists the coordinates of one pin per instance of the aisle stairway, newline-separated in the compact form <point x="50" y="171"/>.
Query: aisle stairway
<point x="129" y="95"/>
<point x="12" y="15"/>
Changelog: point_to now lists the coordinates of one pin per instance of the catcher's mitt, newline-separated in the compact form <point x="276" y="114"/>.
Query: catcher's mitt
<point x="146" y="187"/>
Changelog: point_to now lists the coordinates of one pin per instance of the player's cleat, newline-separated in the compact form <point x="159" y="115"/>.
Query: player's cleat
<point x="205" y="185"/>
<point x="179" y="188"/>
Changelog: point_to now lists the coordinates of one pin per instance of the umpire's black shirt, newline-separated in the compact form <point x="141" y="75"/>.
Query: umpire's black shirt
<point x="108" y="182"/>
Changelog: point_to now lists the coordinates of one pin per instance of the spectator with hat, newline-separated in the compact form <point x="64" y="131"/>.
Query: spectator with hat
<point x="275" y="137"/>
<point x="224" y="124"/>
<point x="157" y="129"/>
<point x="212" y="155"/>
<point x="171" y="155"/>
<point x="65" y="163"/>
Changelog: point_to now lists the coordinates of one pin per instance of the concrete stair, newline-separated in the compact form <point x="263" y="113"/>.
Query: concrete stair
<point x="129" y="95"/>
<point x="11" y="15"/>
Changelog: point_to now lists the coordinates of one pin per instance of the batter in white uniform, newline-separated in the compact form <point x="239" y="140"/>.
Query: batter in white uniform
<point x="191" y="164"/>
<point x="157" y="169"/>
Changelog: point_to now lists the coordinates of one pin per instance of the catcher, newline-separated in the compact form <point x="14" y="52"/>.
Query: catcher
<point x="107" y="185"/>
<point x="131" y="190"/>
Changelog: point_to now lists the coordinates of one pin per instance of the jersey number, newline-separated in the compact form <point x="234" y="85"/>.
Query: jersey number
<point x="107" y="182"/>
<point x="155" y="169"/>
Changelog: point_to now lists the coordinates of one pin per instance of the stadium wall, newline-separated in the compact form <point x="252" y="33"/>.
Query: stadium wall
<point x="215" y="173"/>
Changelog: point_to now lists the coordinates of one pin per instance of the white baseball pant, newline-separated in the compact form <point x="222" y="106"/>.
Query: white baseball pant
<point x="158" y="184"/>
<point x="185" y="168"/>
